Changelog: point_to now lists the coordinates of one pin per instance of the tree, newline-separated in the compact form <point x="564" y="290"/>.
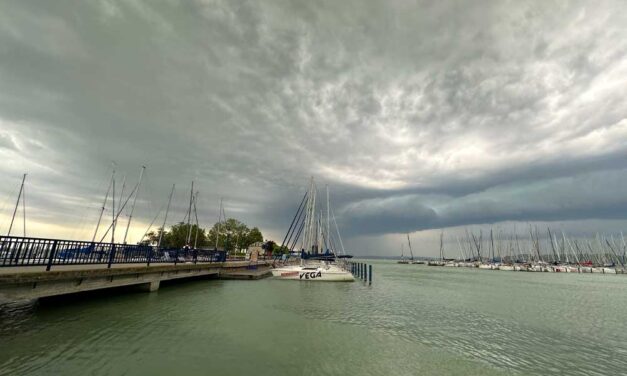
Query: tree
<point x="233" y="235"/>
<point x="177" y="236"/>
<point x="254" y="236"/>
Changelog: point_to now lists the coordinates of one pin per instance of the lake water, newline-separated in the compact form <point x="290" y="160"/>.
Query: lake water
<point x="413" y="320"/>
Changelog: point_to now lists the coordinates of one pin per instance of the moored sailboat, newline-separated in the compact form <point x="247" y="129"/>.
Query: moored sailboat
<point x="314" y="234"/>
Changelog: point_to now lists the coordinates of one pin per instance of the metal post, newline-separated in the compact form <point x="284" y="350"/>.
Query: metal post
<point x="111" y="255"/>
<point x="51" y="257"/>
<point x="148" y="255"/>
<point x="370" y="275"/>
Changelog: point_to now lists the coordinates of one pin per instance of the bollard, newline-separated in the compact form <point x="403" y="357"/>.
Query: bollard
<point x="370" y="275"/>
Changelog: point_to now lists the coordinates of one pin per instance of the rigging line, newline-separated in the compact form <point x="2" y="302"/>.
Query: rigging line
<point x="165" y="218"/>
<point x="151" y="223"/>
<point x="294" y="219"/>
<point x="88" y="208"/>
<point x="130" y="217"/>
<point x="338" y="232"/>
<point x="115" y="218"/>
<point x="300" y="230"/>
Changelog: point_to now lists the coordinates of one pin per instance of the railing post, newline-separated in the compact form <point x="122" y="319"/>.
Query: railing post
<point x="176" y="256"/>
<point x="148" y="255"/>
<point x="111" y="255"/>
<point x="53" y="251"/>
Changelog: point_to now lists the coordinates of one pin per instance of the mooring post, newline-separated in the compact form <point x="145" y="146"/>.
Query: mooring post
<point x="370" y="275"/>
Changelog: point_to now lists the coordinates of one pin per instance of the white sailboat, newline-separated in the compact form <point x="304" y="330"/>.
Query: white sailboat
<point x="403" y="260"/>
<point x="314" y="234"/>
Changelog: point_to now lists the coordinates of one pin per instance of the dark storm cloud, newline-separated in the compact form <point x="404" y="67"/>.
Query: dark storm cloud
<point x="417" y="114"/>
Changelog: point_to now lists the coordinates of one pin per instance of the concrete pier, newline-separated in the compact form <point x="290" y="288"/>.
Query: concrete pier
<point x="33" y="282"/>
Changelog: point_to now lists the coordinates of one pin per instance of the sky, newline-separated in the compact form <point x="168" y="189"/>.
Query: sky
<point x="420" y="116"/>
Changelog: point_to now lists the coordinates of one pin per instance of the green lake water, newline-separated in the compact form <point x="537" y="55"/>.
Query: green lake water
<point x="413" y="320"/>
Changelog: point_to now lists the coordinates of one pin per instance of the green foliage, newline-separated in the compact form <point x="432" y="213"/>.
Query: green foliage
<point x="233" y="234"/>
<point x="177" y="236"/>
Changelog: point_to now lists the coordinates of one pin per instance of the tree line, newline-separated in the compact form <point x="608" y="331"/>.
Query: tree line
<point x="231" y="235"/>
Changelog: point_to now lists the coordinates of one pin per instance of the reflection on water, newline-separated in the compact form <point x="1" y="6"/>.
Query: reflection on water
<point x="413" y="319"/>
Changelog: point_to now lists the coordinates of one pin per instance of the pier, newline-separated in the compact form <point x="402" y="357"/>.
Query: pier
<point x="33" y="268"/>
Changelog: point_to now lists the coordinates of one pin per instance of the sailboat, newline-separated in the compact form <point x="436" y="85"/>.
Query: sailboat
<point x="403" y="260"/>
<point x="314" y="234"/>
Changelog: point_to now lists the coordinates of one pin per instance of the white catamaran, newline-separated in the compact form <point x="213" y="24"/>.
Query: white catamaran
<point x="313" y="234"/>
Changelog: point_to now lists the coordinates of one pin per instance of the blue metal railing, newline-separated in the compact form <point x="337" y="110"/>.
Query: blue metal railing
<point x="20" y="251"/>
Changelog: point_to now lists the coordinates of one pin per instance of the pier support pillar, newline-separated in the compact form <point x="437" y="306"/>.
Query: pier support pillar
<point x="149" y="287"/>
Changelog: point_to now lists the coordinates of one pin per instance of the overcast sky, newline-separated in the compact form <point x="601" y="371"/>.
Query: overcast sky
<point x="418" y="115"/>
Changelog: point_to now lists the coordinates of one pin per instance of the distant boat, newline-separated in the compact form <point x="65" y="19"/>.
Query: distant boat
<point x="402" y="260"/>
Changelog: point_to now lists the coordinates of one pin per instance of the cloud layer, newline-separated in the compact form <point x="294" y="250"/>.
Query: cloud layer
<point x="419" y="115"/>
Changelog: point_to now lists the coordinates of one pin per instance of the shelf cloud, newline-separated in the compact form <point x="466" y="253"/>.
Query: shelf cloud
<point x="419" y="115"/>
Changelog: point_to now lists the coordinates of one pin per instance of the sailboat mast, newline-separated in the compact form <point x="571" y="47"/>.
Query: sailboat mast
<point x="113" y="213"/>
<point x="328" y="224"/>
<point x="24" y="208"/>
<point x="17" y="204"/>
<point x="102" y="209"/>
<point x="130" y="217"/>
<point x="219" y="221"/>
<point x="197" y="225"/>
<point x="121" y="207"/>
<point x="411" y="253"/>
<point x="165" y="218"/>
<point x="189" y="214"/>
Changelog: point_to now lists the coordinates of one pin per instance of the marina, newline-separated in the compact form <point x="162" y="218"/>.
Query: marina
<point x="424" y="320"/>
<point x="551" y="254"/>
<point x="313" y="188"/>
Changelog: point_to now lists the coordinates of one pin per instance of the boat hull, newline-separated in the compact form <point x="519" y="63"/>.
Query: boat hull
<point x="322" y="274"/>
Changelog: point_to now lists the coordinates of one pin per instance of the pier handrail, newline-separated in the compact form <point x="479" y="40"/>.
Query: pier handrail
<point x="16" y="251"/>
